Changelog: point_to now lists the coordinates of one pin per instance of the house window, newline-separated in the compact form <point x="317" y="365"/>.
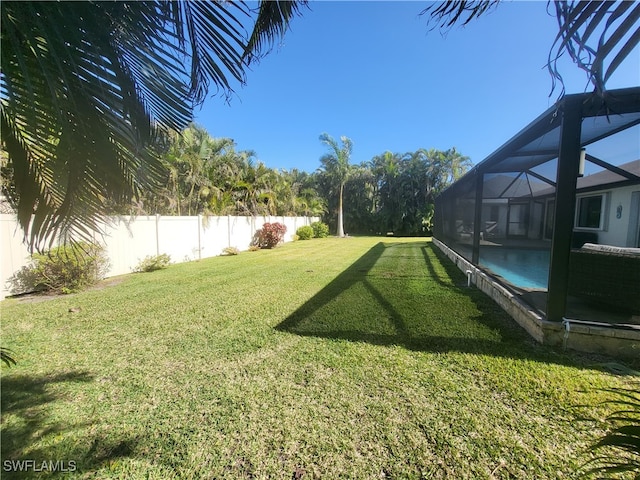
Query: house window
<point x="590" y="212"/>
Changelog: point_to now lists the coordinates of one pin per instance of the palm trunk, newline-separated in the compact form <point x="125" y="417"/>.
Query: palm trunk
<point x="340" y="222"/>
<point x="178" y="198"/>
<point x="190" y="197"/>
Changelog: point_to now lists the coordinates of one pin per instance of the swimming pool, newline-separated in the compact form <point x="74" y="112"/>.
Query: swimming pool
<point x="522" y="267"/>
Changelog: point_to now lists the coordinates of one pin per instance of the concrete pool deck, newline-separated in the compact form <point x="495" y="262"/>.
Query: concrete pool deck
<point x="592" y="330"/>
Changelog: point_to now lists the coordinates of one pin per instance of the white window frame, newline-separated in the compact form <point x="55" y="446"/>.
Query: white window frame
<point x="604" y="211"/>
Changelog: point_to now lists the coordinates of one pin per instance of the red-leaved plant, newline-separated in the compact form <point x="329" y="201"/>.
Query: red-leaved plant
<point x="271" y="235"/>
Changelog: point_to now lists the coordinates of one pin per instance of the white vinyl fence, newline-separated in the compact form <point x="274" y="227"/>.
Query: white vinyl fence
<point x="128" y="240"/>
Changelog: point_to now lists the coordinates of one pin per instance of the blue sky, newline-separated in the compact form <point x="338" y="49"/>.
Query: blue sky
<point x="375" y="72"/>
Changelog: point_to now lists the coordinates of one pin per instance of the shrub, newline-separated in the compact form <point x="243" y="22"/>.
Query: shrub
<point x="254" y="248"/>
<point x="271" y="235"/>
<point x="305" y="233"/>
<point x="151" y="263"/>
<point x="64" y="269"/>
<point x="320" y="229"/>
<point x="230" y="251"/>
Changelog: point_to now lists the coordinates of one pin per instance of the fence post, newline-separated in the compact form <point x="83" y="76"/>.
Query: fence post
<point x="199" y="239"/>
<point x="157" y="234"/>
<point x="228" y="230"/>
<point x="253" y="227"/>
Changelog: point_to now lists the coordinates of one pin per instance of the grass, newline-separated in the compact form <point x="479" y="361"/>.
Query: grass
<point x="333" y="358"/>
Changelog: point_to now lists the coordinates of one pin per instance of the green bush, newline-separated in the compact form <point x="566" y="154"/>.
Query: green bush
<point x="64" y="269"/>
<point x="320" y="229"/>
<point x="305" y="233"/>
<point x="151" y="263"/>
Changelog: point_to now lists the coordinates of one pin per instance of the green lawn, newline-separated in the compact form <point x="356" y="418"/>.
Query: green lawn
<point x="334" y="358"/>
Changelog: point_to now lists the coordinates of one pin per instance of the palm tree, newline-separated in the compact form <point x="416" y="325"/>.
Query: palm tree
<point x="196" y="143"/>
<point x="360" y="211"/>
<point x="455" y="164"/>
<point x="387" y="169"/>
<point x="597" y="35"/>
<point x="188" y="160"/>
<point x="258" y="197"/>
<point x="336" y="166"/>
<point x="87" y="88"/>
<point x="307" y="201"/>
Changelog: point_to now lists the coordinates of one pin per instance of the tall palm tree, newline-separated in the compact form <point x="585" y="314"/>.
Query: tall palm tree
<point x="597" y="35"/>
<point x="86" y="88"/>
<point x="336" y="166"/>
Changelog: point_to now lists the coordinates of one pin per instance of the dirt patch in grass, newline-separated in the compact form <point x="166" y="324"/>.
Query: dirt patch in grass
<point x="38" y="297"/>
<point x="108" y="282"/>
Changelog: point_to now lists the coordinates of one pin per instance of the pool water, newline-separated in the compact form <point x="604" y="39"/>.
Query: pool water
<point x="522" y="267"/>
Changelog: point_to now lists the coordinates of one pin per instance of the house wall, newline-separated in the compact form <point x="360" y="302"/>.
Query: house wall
<point x="615" y="230"/>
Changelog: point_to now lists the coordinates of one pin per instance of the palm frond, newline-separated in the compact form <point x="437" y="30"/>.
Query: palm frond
<point x="619" y="450"/>
<point x="215" y="41"/>
<point x="88" y="89"/>
<point x="447" y="14"/>
<point x="6" y="356"/>
<point x="272" y="21"/>
<point x="597" y="35"/>
<point x="80" y="113"/>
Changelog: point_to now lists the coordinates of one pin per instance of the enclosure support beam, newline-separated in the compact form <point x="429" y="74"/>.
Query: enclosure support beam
<point x="567" y="173"/>
<point x="477" y="219"/>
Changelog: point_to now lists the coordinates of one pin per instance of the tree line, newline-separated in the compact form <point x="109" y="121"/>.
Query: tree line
<point x="208" y="176"/>
<point x="389" y="193"/>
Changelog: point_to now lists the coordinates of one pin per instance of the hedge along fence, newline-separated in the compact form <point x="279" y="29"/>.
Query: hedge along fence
<point x="128" y="240"/>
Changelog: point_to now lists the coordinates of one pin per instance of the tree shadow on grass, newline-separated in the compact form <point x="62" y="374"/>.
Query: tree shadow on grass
<point x="409" y="294"/>
<point x="34" y="443"/>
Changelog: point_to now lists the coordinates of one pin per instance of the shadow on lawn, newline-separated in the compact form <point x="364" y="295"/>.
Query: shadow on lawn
<point x="425" y="306"/>
<point x="33" y="443"/>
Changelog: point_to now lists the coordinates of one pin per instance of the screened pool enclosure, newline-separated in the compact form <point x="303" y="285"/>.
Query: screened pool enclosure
<point x="554" y="214"/>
